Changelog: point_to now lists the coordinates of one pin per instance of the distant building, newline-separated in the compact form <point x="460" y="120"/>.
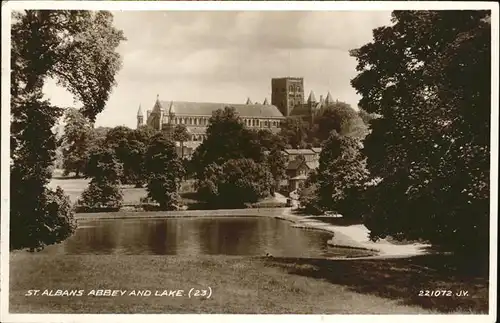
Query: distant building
<point x="298" y="171"/>
<point x="288" y="96"/>
<point x="140" y="117"/>
<point x="186" y="150"/>
<point x="287" y="100"/>
<point x="309" y="155"/>
<point x="287" y="93"/>
<point x="310" y="109"/>
<point x="196" y="115"/>
<point x="300" y="164"/>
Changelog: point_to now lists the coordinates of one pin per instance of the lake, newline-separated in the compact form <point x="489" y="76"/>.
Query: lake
<point x="252" y="236"/>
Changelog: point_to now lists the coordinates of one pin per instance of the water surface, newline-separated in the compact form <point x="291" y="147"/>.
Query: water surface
<point x="252" y="236"/>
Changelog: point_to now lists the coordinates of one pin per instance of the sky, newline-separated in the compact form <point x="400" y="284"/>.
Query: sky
<point x="228" y="56"/>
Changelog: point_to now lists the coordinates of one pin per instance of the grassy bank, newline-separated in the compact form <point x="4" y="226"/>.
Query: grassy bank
<point x="74" y="187"/>
<point x="239" y="285"/>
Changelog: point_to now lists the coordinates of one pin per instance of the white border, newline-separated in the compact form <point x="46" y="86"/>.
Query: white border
<point x="7" y="7"/>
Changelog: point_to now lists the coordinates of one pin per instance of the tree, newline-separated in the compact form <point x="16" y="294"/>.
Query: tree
<point x="366" y="117"/>
<point x="103" y="189"/>
<point x="235" y="183"/>
<point x="340" y="117"/>
<point x="207" y="187"/>
<point x="129" y="152"/>
<point x="276" y="163"/>
<point x="294" y="132"/>
<point x="309" y="198"/>
<point x="144" y="133"/>
<point x="427" y="75"/>
<point x="78" y="49"/>
<point x="342" y="170"/>
<point x="269" y="140"/>
<point x="116" y="136"/>
<point x="134" y="162"/>
<point x="76" y="142"/>
<point x="227" y="138"/>
<point x="164" y="171"/>
<point x="139" y="141"/>
<point x="100" y="135"/>
<point x="181" y="134"/>
<point x="130" y="147"/>
<point x="91" y="79"/>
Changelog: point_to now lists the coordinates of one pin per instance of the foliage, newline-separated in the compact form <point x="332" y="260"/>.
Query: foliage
<point x="309" y="196"/>
<point x="227" y="138"/>
<point x="104" y="164"/>
<point x="366" y="117"/>
<point x="130" y="147"/>
<point x="116" y="135"/>
<point x="76" y="142"/>
<point x="235" y="183"/>
<point x="60" y="44"/>
<point x="268" y="140"/>
<point x="340" y="117"/>
<point x="341" y="171"/>
<point x="428" y="76"/>
<point x="93" y="47"/>
<point x="294" y="132"/>
<point x="103" y="190"/>
<point x="139" y="141"/>
<point x="207" y="187"/>
<point x="181" y="134"/>
<point x="145" y="133"/>
<point x="188" y="166"/>
<point x="100" y="194"/>
<point x="276" y="162"/>
<point x="164" y="171"/>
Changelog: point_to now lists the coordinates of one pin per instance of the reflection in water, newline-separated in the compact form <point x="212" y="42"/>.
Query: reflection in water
<point x="195" y="236"/>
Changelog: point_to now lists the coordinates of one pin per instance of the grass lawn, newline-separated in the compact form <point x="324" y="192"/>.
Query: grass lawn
<point x="241" y="285"/>
<point x="74" y="187"/>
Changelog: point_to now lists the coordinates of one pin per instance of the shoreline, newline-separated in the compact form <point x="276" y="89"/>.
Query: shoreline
<point x="353" y="236"/>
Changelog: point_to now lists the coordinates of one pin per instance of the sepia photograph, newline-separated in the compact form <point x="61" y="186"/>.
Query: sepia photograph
<point x="249" y="158"/>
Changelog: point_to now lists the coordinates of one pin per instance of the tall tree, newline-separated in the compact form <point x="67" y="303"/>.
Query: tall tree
<point x="428" y="76"/>
<point x="139" y="142"/>
<point x="340" y="117"/>
<point x="164" y="171"/>
<point x="235" y="183"/>
<point x="366" y="117"/>
<point x="181" y="135"/>
<point x="103" y="190"/>
<point x="93" y="48"/>
<point x="342" y="169"/>
<point x="276" y="162"/>
<point x="121" y="140"/>
<point x="78" y="49"/>
<point x="144" y="134"/>
<point x="269" y="140"/>
<point x="227" y="138"/>
<point x="76" y="142"/>
<point x="294" y="132"/>
<point x="309" y="197"/>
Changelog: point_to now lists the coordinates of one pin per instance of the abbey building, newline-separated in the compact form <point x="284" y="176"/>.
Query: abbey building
<point x="196" y="115"/>
<point x="287" y="100"/>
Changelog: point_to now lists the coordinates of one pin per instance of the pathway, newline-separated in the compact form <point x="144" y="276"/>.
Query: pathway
<point x="356" y="236"/>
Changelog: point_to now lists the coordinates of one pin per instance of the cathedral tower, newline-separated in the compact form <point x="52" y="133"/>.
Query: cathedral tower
<point x="140" y="117"/>
<point x="287" y="93"/>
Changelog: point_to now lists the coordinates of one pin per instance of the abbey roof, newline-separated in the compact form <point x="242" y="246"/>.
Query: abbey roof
<point x="182" y="108"/>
